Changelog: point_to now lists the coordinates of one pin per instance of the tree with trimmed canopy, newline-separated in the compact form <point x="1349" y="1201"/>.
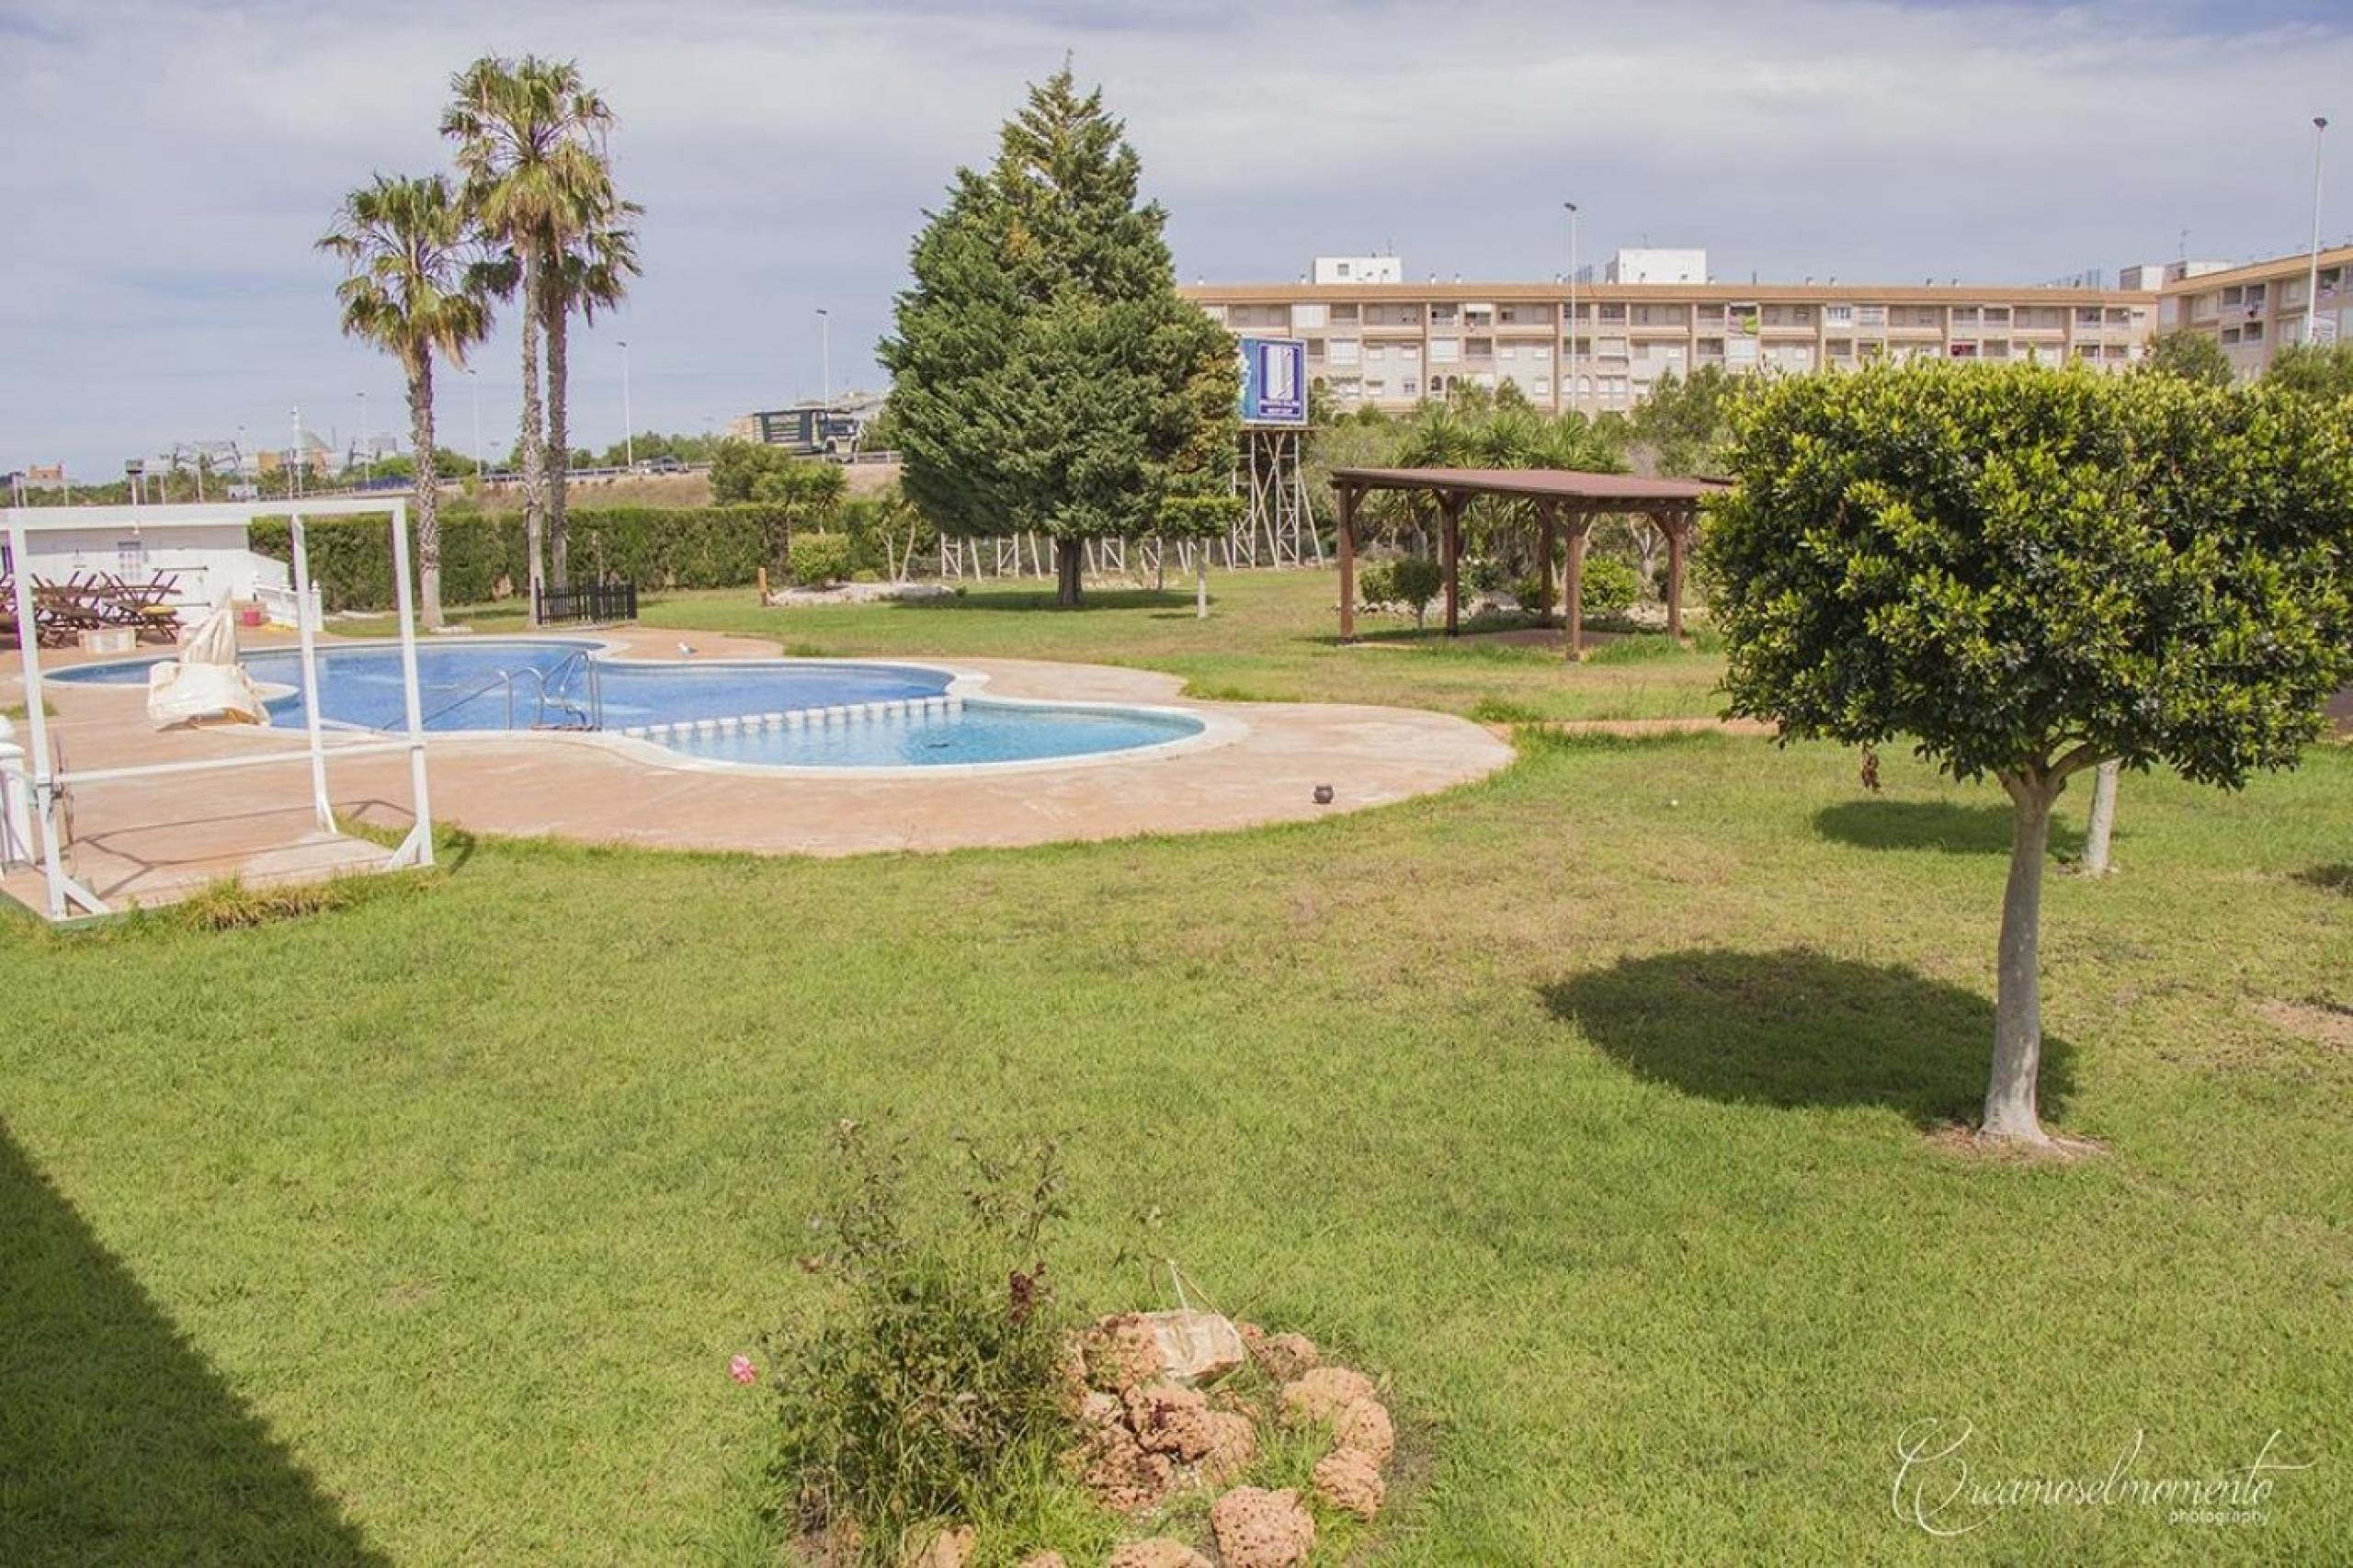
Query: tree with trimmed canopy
<point x="2028" y="572"/>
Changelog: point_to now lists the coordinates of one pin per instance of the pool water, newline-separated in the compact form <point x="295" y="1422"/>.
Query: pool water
<point x="982" y="731"/>
<point x="841" y="713"/>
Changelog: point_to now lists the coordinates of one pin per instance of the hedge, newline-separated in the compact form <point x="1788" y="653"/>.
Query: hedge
<point x="483" y="555"/>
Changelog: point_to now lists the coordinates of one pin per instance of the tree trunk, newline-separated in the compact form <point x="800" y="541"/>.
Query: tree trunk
<point x="1067" y="561"/>
<point x="428" y="491"/>
<point x="2103" y="825"/>
<point x="559" y="438"/>
<point x="534" y="436"/>
<point x="2010" y="1101"/>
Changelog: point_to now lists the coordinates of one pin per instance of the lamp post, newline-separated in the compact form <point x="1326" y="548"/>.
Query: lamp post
<point x="482" y="468"/>
<point x="1572" y="208"/>
<point x="825" y="359"/>
<point x="629" y="422"/>
<point x="367" y="458"/>
<point x="294" y="469"/>
<point x="2312" y="273"/>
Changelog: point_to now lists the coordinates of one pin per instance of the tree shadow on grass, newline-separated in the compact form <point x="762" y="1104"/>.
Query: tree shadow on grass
<point x="2336" y="877"/>
<point x="1934" y="824"/>
<point x="119" y="1441"/>
<point x="1794" y="1028"/>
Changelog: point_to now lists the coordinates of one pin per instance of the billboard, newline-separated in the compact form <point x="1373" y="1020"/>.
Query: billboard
<point x="1274" y="380"/>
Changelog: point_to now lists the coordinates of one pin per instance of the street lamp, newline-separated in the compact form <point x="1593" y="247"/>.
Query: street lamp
<point x="629" y="424"/>
<point x="2312" y="273"/>
<point x="367" y="457"/>
<point x="1572" y="208"/>
<point x="825" y="359"/>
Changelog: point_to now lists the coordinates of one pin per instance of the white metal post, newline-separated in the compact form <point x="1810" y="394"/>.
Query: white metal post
<point x="313" y="700"/>
<point x="418" y="848"/>
<point x="59" y="886"/>
<point x="629" y="420"/>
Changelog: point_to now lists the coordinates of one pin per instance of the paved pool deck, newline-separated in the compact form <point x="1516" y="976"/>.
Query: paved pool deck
<point x="153" y="840"/>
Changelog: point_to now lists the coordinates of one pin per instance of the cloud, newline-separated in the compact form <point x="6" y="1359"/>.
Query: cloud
<point x="170" y="164"/>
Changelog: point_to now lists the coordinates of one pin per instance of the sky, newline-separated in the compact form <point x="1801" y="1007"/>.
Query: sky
<point x="165" y="167"/>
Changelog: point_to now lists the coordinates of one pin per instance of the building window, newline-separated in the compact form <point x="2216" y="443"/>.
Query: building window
<point x="1343" y="350"/>
<point x="1307" y="317"/>
<point x="1409" y="387"/>
<point x="1838" y="315"/>
<point x="1507" y="352"/>
<point x="1444" y="351"/>
<point x="1541" y="386"/>
<point x="130" y="555"/>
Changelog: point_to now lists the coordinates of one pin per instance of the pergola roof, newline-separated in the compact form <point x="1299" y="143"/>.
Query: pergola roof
<point x="1585" y="492"/>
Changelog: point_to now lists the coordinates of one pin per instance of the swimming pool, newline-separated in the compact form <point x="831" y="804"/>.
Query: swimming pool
<point x="759" y="713"/>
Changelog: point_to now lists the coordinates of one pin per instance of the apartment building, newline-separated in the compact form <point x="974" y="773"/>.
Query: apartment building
<point x="2254" y="310"/>
<point x="1391" y="344"/>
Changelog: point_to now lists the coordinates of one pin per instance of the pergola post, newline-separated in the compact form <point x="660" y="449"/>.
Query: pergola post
<point x="1347" y="540"/>
<point x="1573" y="584"/>
<point x="1547" y="514"/>
<point x="1450" y="505"/>
<point x="1678" y="526"/>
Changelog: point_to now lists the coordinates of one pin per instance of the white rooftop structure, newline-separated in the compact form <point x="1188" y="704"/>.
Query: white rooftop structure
<point x="1358" y="269"/>
<point x="1651" y="265"/>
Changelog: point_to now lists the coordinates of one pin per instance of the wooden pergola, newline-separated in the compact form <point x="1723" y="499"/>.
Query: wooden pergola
<point x="1566" y="501"/>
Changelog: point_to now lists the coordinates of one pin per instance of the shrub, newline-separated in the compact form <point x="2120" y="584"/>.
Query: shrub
<point x="656" y="547"/>
<point x="1413" y="582"/>
<point x="1609" y="586"/>
<point x="937" y="1387"/>
<point x="820" y="559"/>
<point x="1534" y="594"/>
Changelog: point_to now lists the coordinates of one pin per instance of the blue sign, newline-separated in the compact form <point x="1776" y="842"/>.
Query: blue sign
<point x="1274" y="380"/>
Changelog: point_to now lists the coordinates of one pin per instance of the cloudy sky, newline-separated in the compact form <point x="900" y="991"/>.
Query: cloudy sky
<point x="167" y="166"/>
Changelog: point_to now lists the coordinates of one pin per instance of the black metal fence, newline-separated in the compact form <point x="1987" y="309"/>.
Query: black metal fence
<point x="586" y="601"/>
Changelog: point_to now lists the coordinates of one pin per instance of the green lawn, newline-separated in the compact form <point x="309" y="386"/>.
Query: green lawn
<point x="1271" y="636"/>
<point x="1594" y="1103"/>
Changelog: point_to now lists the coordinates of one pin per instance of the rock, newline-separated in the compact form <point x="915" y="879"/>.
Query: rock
<point x="1045" y="1560"/>
<point x="1158" y="1553"/>
<point x="1285" y="1357"/>
<point x="1170" y="1419"/>
<point x="1194" y="1347"/>
<point x="1349" y="1479"/>
<point x="1097" y="1409"/>
<point x="1121" y="1351"/>
<point x="1119" y="1473"/>
<point x="951" y="1549"/>
<point x="1318" y="1394"/>
<point x="1233" y="1443"/>
<point x="1363" y="1427"/>
<point x="1256" y="1528"/>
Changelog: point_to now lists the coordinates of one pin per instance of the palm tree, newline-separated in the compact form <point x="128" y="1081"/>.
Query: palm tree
<point x="590" y="273"/>
<point x="529" y="136"/>
<point x="406" y="246"/>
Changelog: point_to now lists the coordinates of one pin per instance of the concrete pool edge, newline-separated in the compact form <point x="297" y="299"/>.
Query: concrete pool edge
<point x="151" y="842"/>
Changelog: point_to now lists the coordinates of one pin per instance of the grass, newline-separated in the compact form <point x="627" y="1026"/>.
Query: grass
<point x="1592" y="1105"/>
<point x="1271" y="636"/>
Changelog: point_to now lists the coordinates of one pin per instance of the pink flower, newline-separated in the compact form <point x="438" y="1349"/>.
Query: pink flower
<point x="743" y="1371"/>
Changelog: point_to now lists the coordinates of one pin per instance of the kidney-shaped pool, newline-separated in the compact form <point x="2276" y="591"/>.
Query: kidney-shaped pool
<point x="760" y="712"/>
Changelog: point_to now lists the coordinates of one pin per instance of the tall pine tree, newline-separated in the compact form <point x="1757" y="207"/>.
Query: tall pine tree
<point x="1047" y="375"/>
